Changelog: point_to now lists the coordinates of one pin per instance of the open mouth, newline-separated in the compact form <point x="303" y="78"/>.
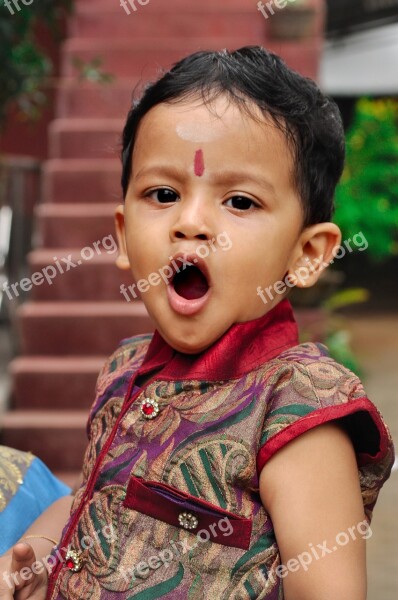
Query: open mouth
<point x="190" y="283"/>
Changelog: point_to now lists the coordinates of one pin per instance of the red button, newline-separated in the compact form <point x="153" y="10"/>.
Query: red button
<point x="149" y="408"/>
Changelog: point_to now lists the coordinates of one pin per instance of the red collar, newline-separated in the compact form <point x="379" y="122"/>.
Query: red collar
<point x="241" y="349"/>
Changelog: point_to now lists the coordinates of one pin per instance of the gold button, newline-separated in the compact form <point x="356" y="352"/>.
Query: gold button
<point x="73" y="560"/>
<point x="188" y="520"/>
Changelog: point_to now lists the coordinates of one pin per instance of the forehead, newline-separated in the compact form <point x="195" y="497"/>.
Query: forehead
<point x="220" y="129"/>
<point x="196" y="122"/>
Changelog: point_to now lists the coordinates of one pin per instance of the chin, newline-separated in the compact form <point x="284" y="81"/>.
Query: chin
<point x="189" y="347"/>
<point x="188" y="344"/>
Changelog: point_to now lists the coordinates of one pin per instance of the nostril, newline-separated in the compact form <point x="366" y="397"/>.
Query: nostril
<point x="180" y="235"/>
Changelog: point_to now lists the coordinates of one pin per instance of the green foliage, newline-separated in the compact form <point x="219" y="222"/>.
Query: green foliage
<point x="339" y="345"/>
<point x="344" y="298"/>
<point x="338" y="338"/>
<point x="329" y="326"/>
<point x="24" y="65"/>
<point x="367" y="196"/>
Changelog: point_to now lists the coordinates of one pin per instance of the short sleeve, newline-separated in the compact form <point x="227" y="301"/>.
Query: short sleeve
<point x="310" y="393"/>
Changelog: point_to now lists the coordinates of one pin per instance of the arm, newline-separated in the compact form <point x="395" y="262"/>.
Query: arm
<point x="26" y="552"/>
<point x="311" y="490"/>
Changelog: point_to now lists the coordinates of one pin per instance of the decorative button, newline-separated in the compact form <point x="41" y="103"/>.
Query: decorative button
<point x="73" y="560"/>
<point x="149" y="408"/>
<point x="188" y="520"/>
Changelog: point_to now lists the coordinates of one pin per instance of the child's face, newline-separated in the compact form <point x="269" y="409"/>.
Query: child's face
<point x="220" y="188"/>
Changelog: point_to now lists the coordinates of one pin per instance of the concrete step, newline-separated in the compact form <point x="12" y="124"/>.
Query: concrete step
<point x="142" y="58"/>
<point x="162" y="22"/>
<point x="79" y="328"/>
<point x="58" y="438"/>
<point x="127" y="58"/>
<point x="54" y="383"/>
<point x="85" y="138"/>
<point x="79" y="99"/>
<point x="96" y="278"/>
<point x="73" y="225"/>
<point x="82" y="180"/>
<point x="160" y="6"/>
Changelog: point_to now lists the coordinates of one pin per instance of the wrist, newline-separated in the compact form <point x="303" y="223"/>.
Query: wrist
<point x="41" y="544"/>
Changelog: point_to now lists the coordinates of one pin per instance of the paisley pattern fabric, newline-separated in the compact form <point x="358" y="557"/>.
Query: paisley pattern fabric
<point x="202" y="456"/>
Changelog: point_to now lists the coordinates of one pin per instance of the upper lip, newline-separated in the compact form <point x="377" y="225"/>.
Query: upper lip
<point x="193" y="259"/>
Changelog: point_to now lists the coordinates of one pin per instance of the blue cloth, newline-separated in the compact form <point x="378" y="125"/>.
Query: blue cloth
<point x="40" y="489"/>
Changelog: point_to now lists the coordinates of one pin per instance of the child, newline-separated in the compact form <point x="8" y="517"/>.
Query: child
<point x="225" y="459"/>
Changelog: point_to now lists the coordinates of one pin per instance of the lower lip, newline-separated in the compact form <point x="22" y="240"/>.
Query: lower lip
<point x="183" y="306"/>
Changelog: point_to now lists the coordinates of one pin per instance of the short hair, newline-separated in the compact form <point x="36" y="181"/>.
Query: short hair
<point x="310" y="121"/>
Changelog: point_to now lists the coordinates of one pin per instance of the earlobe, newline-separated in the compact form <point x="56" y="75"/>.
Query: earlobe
<point x="122" y="260"/>
<point x="314" y="252"/>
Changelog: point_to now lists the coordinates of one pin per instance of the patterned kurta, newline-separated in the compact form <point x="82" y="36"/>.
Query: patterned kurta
<point x="170" y="506"/>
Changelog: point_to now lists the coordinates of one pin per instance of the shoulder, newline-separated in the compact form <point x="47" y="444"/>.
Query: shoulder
<point x="309" y="389"/>
<point x="130" y="352"/>
<point x="304" y="381"/>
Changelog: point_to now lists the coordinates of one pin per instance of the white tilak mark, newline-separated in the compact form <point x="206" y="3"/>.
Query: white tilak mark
<point x="197" y="132"/>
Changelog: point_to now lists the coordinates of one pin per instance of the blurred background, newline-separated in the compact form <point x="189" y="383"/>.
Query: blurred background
<point x="68" y="68"/>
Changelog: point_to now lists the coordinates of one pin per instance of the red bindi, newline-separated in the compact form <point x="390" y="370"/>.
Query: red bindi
<point x="199" y="163"/>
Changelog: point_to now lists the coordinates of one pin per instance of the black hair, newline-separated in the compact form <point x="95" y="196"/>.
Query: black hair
<point x="310" y="120"/>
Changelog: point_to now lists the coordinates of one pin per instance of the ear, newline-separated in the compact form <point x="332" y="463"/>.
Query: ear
<point x="122" y="260"/>
<point x="313" y="253"/>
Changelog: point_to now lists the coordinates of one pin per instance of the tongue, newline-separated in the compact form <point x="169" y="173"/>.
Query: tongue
<point x="190" y="283"/>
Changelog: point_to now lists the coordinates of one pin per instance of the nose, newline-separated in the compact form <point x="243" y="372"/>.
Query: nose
<point x="192" y="221"/>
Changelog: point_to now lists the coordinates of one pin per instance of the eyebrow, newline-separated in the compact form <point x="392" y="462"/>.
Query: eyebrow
<point x="219" y="177"/>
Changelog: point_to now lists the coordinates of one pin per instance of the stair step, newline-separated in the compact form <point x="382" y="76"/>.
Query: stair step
<point x="160" y="7"/>
<point x="162" y="22"/>
<point x="88" y="100"/>
<point x="74" y="225"/>
<point x="58" y="438"/>
<point x="60" y="383"/>
<point x="139" y="58"/>
<point x="82" y="180"/>
<point x="96" y="278"/>
<point x="85" y="138"/>
<point x="79" y="328"/>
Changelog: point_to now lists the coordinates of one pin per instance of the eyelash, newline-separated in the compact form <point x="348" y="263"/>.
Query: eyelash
<point x="151" y="192"/>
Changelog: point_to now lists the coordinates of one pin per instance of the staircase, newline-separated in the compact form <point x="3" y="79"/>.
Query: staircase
<point x="70" y="326"/>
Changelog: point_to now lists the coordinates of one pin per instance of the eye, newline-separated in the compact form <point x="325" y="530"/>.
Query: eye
<point x="241" y="203"/>
<point x="163" y="195"/>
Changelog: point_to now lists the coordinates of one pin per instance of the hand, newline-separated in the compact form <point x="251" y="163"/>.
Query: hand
<point x="31" y="583"/>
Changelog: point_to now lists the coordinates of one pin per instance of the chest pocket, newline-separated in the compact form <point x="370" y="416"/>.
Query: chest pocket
<point x="183" y="511"/>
